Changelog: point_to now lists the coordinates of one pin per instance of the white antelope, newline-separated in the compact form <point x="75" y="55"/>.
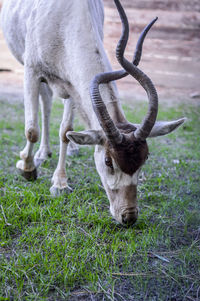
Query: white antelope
<point x="60" y="45"/>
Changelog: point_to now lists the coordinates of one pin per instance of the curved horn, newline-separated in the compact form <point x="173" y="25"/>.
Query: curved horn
<point x="144" y="130"/>
<point x="138" y="49"/>
<point x="99" y="107"/>
<point x="107" y="124"/>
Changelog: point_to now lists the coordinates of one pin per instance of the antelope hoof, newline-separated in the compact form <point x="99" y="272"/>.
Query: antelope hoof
<point x="27" y="170"/>
<point x="72" y="149"/>
<point x="56" y="191"/>
<point x="41" y="156"/>
<point x="28" y="175"/>
<point x="72" y="152"/>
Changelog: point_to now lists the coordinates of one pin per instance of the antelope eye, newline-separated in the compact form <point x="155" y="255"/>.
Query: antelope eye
<point x="108" y="162"/>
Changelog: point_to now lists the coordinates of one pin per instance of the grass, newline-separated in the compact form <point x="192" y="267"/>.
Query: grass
<point x="69" y="247"/>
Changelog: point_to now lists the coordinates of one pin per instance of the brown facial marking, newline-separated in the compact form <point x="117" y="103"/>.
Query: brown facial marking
<point x="131" y="192"/>
<point x="130" y="155"/>
<point x="126" y="128"/>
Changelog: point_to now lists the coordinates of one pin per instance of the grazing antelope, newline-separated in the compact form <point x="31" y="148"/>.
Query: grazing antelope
<point x="60" y="45"/>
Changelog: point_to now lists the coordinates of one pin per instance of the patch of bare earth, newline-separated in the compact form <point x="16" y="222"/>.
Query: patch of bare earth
<point x="170" y="57"/>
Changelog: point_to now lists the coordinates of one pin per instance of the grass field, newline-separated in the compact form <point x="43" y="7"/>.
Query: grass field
<point x="70" y="248"/>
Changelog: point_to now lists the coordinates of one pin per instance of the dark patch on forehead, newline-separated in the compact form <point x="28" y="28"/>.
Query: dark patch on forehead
<point x="130" y="155"/>
<point x="125" y="127"/>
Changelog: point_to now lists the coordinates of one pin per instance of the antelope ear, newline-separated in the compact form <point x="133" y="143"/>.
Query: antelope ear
<point x="90" y="137"/>
<point x="165" y="127"/>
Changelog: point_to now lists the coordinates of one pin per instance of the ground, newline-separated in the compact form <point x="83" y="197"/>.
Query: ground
<point x="171" y="50"/>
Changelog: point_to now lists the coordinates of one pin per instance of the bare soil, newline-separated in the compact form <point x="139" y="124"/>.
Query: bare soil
<point x="171" y="54"/>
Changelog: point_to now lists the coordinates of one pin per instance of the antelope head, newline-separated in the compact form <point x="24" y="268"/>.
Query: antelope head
<point x="121" y="149"/>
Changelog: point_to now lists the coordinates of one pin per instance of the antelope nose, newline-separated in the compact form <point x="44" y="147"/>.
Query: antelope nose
<point x="129" y="218"/>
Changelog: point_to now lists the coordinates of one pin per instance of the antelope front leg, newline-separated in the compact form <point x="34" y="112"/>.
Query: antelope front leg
<point x="59" y="179"/>
<point x="46" y="102"/>
<point x="26" y="165"/>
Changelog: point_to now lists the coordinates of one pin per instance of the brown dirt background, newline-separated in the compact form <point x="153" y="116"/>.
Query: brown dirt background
<point x="171" y="55"/>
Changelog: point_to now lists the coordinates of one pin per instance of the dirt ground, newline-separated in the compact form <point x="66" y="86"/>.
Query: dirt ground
<point x="171" y="54"/>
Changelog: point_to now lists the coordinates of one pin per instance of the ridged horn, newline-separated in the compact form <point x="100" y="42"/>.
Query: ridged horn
<point x="108" y="126"/>
<point x="144" y="130"/>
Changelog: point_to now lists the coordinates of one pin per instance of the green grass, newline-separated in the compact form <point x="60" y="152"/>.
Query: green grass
<point x="69" y="247"/>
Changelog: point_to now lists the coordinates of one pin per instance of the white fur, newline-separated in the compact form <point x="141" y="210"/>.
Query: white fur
<point x="115" y="179"/>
